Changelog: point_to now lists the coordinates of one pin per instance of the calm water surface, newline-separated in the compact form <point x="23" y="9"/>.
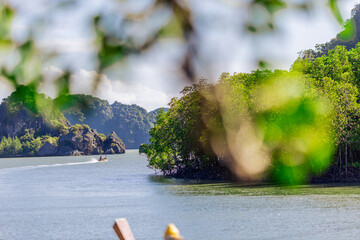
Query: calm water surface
<point x="79" y="198"/>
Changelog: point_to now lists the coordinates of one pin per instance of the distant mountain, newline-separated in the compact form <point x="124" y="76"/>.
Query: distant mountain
<point x="152" y="115"/>
<point x="131" y="122"/>
<point x="20" y="112"/>
<point x="32" y="125"/>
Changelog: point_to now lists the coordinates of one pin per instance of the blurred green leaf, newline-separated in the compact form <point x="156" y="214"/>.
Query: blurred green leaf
<point x="63" y="84"/>
<point x="110" y="49"/>
<point x="10" y="76"/>
<point x="349" y="30"/>
<point x="6" y="17"/>
<point x="172" y="29"/>
<point x="251" y="28"/>
<point x="263" y="64"/>
<point x="335" y="11"/>
<point x="271" y="5"/>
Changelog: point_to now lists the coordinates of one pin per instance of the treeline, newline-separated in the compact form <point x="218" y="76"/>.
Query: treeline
<point x="337" y="74"/>
<point x="301" y="122"/>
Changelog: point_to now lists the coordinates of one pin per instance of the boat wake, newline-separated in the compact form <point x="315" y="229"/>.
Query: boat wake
<point x="93" y="160"/>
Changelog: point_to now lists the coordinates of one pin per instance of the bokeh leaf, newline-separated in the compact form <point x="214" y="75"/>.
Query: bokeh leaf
<point x="63" y="84"/>
<point x="271" y="5"/>
<point x="349" y="30"/>
<point x="335" y="11"/>
<point x="6" y="17"/>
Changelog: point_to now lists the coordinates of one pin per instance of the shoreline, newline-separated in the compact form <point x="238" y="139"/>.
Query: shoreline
<point x="250" y="185"/>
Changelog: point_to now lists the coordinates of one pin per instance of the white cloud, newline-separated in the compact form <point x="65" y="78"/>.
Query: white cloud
<point x="126" y="92"/>
<point x="75" y="45"/>
<point x="116" y="90"/>
<point x="5" y="88"/>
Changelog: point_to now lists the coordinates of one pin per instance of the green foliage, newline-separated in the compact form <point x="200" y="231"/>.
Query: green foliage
<point x="79" y="128"/>
<point x="102" y="137"/>
<point x="337" y="76"/>
<point x="10" y="146"/>
<point x="273" y="119"/>
<point x="180" y="139"/>
<point x="290" y="122"/>
<point x="53" y="140"/>
<point x="32" y="146"/>
<point x="60" y="126"/>
<point x="26" y="145"/>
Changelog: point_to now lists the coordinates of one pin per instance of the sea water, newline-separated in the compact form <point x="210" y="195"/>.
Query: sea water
<point x="79" y="198"/>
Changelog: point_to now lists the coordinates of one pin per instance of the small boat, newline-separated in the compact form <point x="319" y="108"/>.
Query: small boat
<point x="102" y="159"/>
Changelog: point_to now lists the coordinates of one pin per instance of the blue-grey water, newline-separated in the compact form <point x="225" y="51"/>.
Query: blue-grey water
<point x="79" y="198"/>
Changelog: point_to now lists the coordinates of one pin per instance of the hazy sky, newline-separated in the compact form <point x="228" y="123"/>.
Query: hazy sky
<point x="151" y="80"/>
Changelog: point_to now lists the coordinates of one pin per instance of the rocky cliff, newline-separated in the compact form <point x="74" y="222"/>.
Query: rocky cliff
<point x="82" y="140"/>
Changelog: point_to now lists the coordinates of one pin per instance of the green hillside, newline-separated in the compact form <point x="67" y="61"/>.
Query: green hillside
<point x="131" y="122"/>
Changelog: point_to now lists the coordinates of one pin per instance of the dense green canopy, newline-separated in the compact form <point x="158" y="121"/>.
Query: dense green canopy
<point x="295" y="119"/>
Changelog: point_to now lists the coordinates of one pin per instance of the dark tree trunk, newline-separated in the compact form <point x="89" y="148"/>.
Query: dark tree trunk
<point x="340" y="163"/>
<point x="346" y="160"/>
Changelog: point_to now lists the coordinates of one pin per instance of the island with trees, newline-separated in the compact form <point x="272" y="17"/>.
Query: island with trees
<point x="284" y="115"/>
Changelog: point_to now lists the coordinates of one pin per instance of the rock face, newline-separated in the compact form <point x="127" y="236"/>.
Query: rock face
<point x="64" y="151"/>
<point x="48" y="149"/>
<point x="82" y="140"/>
<point x="114" y="145"/>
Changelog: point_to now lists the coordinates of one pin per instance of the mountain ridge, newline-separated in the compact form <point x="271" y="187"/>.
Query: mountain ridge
<point x="131" y="122"/>
<point x="31" y="124"/>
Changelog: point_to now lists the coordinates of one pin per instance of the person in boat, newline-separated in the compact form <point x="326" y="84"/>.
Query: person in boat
<point x="102" y="158"/>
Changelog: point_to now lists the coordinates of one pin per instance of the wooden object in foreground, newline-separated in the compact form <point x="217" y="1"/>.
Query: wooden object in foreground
<point x="123" y="230"/>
